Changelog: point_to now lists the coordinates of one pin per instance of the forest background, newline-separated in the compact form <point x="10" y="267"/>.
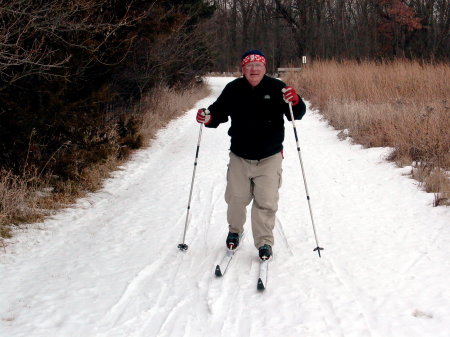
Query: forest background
<point x="85" y="82"/>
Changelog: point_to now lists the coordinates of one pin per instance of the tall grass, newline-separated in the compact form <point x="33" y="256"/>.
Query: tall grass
<point x="166" y="104"/>
<point x="401" y="104"/>
<point x="30" y="197"/>
<point x="18" y="199"/>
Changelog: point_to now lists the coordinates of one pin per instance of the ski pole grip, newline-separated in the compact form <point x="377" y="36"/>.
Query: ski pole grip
<point x="290" y="103"/>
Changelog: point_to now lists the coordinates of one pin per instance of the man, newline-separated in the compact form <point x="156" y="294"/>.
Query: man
<point x="256" y="105"/>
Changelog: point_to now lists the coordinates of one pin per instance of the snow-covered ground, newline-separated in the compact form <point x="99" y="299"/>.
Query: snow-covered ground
<point x="110" y="265"/>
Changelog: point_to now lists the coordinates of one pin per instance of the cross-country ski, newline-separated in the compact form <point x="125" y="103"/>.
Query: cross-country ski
<point x="263" y="274"/>
<point x="222" y="267"/>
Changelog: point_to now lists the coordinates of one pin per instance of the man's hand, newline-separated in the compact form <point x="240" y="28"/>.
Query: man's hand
<point x="290" y="96"/>
<point x="203" y="116"/>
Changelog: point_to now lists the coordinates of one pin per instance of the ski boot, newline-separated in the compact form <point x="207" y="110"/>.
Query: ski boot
<point x="233" y="240"/>
<point x="265" y="252"/>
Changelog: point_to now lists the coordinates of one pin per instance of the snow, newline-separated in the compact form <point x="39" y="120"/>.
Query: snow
<point x="109" y="266"/>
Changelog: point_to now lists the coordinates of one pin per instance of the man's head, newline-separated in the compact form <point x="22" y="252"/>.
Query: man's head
<point x="253" y="66"/>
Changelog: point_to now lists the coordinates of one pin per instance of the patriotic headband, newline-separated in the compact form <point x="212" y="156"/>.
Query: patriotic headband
<point x="253" y="58"/>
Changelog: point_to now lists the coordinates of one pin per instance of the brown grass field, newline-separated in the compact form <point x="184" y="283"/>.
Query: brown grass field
<point x="401" y="104"/>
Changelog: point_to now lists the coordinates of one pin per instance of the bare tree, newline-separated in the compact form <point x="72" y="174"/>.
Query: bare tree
<point x="31" y="33"/>
<point x="361" y="29"/>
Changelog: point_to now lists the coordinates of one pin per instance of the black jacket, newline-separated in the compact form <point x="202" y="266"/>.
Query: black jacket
<point x="257" y="124"/>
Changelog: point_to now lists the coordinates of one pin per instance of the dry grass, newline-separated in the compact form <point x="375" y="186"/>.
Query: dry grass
<point x="167" y="104"/>
<point x="233" y="73"/>
<point x="29" y="198"/>
<point x="18" y="201"/>
<point x="402" y="104"/>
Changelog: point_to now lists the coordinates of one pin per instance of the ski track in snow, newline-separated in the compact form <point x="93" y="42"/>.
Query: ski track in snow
<point x="109" y="266"/>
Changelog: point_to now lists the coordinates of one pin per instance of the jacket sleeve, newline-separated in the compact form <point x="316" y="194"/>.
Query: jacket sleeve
<point x="299" y="110"/>
<point x="219" y="109"/>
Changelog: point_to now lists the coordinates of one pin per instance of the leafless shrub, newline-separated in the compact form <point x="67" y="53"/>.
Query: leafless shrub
<point x="28" y="198"/>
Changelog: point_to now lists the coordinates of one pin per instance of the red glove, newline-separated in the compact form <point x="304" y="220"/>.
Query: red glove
<point x="203" y="116"/>
<point x="290" y="96"/>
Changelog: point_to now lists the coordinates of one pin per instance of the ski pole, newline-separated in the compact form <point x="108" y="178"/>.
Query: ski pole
<point x="318" y="249"/>
<point x="184" y="246"/>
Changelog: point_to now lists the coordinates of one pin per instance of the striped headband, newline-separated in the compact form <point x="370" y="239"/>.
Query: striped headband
<point x="253" y="58"/>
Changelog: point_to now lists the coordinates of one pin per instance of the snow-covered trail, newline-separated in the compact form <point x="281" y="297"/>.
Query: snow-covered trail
<point x="110" y="266"/>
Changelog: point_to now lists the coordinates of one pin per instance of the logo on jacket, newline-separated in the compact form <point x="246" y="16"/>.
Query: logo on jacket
<point x="267" y="97"/>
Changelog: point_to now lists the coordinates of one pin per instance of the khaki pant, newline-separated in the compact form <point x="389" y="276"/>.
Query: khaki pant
<point x="257" y="180"/>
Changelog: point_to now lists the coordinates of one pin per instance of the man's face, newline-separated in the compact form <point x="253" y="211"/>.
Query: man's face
<point x="254" y="72"/>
